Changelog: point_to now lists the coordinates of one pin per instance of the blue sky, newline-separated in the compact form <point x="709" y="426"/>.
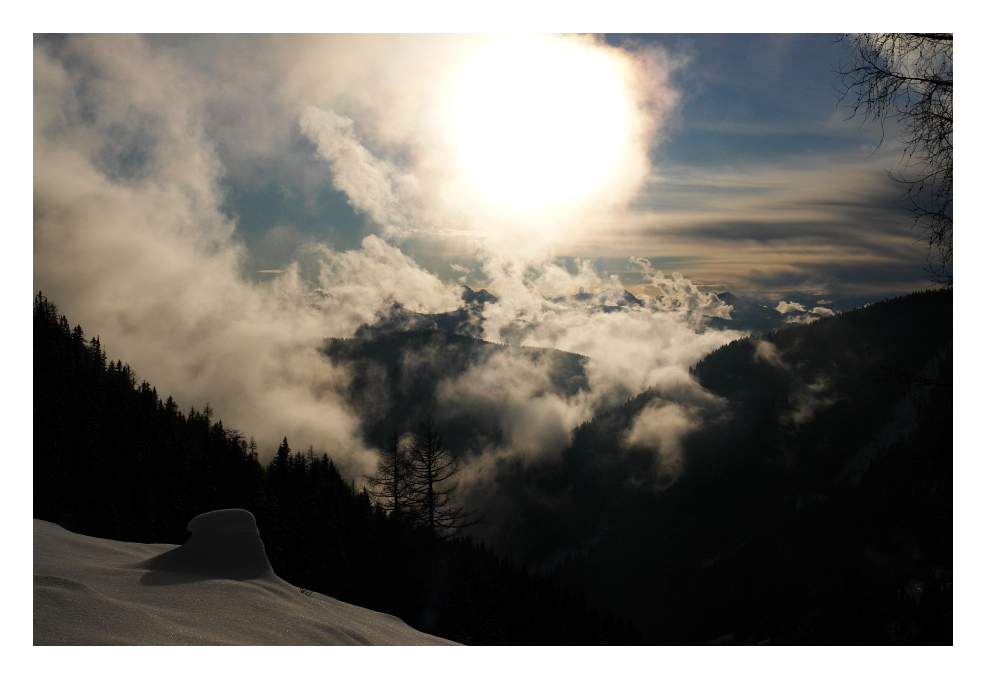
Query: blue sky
<point x="760" y="183"/>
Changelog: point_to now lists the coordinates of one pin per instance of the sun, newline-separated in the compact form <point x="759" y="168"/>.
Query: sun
<point x="540" y="122"/>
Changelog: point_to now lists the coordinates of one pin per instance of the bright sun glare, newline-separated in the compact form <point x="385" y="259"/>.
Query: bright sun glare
<point x="540" y="122"/>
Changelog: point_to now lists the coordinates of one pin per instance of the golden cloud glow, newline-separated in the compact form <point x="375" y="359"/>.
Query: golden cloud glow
<point x="541" y="122"/>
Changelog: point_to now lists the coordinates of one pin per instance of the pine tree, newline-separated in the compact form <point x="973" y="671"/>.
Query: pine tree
<point x="279" y="465"/>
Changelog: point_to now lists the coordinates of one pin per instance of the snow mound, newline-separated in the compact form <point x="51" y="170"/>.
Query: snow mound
<point x="217" y="588"/>
<point x="224" y="544"/>
<point x="224" y="522"/>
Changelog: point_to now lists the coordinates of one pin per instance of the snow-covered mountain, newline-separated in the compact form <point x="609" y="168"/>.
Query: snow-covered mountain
<point x="217" y="588"/>
<point x="746" y="315"/>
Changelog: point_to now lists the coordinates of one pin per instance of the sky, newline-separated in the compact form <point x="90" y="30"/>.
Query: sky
<point x="743" y="173"/>
<point x="755" y="181"/>
<point x="212" y="206"/>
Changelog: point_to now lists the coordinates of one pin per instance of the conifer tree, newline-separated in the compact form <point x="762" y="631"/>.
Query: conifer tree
<point x="281" y="462"/>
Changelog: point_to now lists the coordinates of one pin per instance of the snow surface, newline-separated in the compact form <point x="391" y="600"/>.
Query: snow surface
<point x="217" y="588"/>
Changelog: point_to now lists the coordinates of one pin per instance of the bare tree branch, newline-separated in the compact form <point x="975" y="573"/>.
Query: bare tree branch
<point x="432" y="470"/>
<point x="907" y="77"/>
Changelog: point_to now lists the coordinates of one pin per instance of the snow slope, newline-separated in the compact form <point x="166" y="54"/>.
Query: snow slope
<point x="217" y="588"/>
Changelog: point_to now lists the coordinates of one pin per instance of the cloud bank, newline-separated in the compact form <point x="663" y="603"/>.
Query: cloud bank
<point x="141" y="146"/>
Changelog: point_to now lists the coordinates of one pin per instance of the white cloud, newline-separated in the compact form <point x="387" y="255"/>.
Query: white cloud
<point x="517" y="393"/>
<point x="786" y="307"/>
<point x="152" y="267"/>
<point x="374" y="186"/>
<point x="679" y="294"/>
<point x="133" y="139"/>
<point x="660" y="427"/>
<point x="807" y="316"/>
<point x="636" y="348"/>
<point x="365" y="281"/>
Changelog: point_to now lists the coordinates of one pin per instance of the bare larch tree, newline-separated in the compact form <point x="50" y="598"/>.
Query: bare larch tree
<point x="433" y="466"/>
<point x="391" y="487"/>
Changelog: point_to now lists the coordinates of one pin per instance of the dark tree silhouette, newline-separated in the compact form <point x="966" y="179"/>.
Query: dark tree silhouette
<point x="391" y="487"/>
<point x="907" y="77"/>
<point x="433" y="466"/>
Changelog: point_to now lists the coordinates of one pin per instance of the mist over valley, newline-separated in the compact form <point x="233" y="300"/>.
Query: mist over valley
<point x="523" y="339"/>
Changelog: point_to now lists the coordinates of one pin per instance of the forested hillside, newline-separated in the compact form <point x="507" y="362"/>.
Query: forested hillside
<point x="809" y="498"/>
<point x="114" y="460"/>
<point x="397" y="377"/>
<point x="815" y="509"/>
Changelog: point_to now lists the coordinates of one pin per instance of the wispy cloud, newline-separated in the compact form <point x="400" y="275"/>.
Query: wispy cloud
<point x="660" y="427"/>
<point x="143" y="147"/>
<point x="768" y="226"/>
<point x="805" y="398"/>
<point x="388" y="195"/>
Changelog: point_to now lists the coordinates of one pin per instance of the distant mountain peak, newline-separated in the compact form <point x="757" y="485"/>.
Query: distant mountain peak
<point x="726" y="296"/>
<point x="481" y="297"/>
<point x="605" y="299"/>
<point x="630" y="298"/>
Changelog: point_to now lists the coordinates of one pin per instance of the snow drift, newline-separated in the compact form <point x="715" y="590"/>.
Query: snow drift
<point x="217" y="588"/>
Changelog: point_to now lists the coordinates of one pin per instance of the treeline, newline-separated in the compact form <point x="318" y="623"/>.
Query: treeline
<point x="112" y="459"/>
<point x="868" y="327"/>
<point x="832" y="529"/>
<point x="843" y="370"/>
